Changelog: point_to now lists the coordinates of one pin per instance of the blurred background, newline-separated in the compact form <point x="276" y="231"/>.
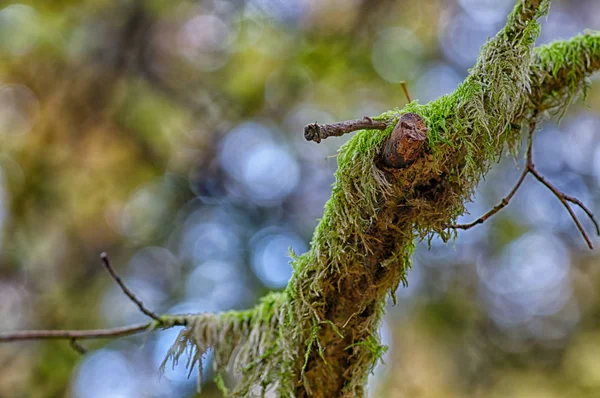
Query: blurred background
<point x="169" y="134"/>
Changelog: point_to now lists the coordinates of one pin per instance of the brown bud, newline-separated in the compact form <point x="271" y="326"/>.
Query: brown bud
<point x="404" y="145"/>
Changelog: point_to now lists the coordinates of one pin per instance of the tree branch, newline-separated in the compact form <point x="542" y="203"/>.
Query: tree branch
<point x="505" y="201"/>
<point x="323" y="329"/>
<point x="77" y="346"/>
<point x="405" y="89"/>
<point x="126" y="290"/>
<point x="559" y="69"/>
<point x="320" y="336"/>
<point x="74" y="334"/>
<point x="167" y="322"/>
<point x="317" y="132"/>
<point x="362" y="247"/>
<point x="564" y="199"/>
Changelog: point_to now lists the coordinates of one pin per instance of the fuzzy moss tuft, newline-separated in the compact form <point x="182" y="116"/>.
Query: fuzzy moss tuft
<point x="247" y="342"/>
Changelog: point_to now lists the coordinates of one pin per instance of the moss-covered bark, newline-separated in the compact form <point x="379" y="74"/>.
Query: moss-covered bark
<point x="320" y="336"/>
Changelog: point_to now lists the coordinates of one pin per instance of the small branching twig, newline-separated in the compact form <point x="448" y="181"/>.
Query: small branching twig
<point x="405" y="89"/>
<point x="564" y="199"/>
<point x="74" y="335"/>
<point x="77" y="346"/>
<point x="505" y="201"/>
<point x="125" y="289"/>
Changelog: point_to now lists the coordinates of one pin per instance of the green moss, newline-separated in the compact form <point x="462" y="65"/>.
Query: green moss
<point x="244" y="339"/>
<point x="560" y="69"/>
<point x="373" y="344"/>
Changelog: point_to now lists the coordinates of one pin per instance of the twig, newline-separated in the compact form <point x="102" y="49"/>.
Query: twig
<point x="77" y="347"/>
<point x="74" y="334"/>
<point x="564" y="199"/>
<point x="126" y="290"/>
<point x="317" y="132"/>
<point x="405" y="89"/>
<point x="504" y="202"/>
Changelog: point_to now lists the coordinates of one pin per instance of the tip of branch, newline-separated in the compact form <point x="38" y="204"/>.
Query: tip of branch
<point x="103" y="256"/>
<point x="404" y="145"/>
<point x="311" y="132"/>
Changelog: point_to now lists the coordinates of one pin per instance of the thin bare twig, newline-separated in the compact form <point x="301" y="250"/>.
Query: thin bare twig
<point x="564" y="199"/>
<point x="503" y="203"/>
<point x="21" y="335"/>
<point x="317" y="132"/>
<point x="74" y="335"/>
<point x="126" y="290"/>
<point x="77" y="346"/>
<point x="405" y="89"/>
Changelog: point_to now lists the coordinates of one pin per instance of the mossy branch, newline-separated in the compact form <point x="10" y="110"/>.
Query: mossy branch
<point x="319" y="337"/>
<point x="559" y="71"/>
